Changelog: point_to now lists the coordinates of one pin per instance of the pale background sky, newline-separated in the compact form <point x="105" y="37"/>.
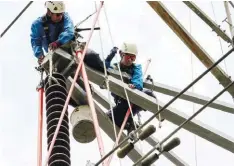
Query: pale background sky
<point x="131" y="21"/>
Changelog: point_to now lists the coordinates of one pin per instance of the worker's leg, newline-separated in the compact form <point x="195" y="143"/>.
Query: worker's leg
<point x="119" y="112"/>
<point x="92" y="59"/>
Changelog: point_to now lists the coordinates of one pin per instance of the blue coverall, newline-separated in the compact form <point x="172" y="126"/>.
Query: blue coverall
<point x="61" y="32"/>
<point x="121" y="107"/>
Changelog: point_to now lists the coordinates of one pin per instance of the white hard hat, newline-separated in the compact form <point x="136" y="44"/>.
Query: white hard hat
<point x="55" y="6"/>
<point x="129" y="48"/>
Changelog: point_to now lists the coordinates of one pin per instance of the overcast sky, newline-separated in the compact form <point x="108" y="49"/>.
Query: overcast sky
<point x="129" y="21"/>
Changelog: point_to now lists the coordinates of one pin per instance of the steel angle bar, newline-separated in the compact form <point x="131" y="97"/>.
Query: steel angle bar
<point x="208" y="21"/>
<point x="188" y="96"/>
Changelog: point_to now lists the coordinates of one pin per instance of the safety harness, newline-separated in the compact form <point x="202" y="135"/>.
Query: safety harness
<point x="45" y="23"/>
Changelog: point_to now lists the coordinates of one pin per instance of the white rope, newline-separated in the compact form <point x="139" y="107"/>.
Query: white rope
<point x="192" y="75"/>
<point x="107" y="82"/>
<point x="159" y="115"/>
<point x="137" y="135"/>
<point x="51" y="67"/>
<point x="129" y="105"/>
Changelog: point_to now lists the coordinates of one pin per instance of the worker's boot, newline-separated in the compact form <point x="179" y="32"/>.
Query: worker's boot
<point x="130" y="126"/>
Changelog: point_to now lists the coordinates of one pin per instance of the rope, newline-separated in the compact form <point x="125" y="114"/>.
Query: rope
<point x="101" y="149"/>
<point x="108" y="25"/>
<point x="125" y="120"/>
<point x="129" y="105"/>
<point x="146" y="68"/>
<point x="157" y="101"/>
<point x="81" y="22"/>
<point x="16" y="18"/>
<point x="107" y="85"/>
<point x="192" y="74"/>
<point x="51" y="66"/>
<point x="220" y="43"/>
<point x="40" y="89"/>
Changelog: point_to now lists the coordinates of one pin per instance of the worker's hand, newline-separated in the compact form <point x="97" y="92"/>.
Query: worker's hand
<point x="53" y="45"/>
<point x="112" y="54"/>
<point x="131" y="86"/>
<point x="114" y="50"/>
<point x="40" y="59"/>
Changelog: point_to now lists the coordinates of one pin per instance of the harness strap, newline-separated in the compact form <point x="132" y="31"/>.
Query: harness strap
<point x="45" y="24"/>
<point x="46" y="28"/>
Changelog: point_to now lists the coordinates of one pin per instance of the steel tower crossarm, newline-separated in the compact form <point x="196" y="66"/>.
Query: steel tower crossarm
<point x="191" y="43"/>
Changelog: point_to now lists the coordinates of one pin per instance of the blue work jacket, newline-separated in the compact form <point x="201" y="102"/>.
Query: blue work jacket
<point x="61" y="32"/>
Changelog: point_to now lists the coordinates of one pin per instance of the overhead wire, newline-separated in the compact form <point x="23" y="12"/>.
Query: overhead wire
<point x="107" y="84"/>
<point x="15" y="19"/>
<point x="192" y="77"/>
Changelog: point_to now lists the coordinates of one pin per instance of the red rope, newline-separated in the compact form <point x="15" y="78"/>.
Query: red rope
<point x="92" y="108"/>
<point x="72" y="86"/>
<point x="40" y="125"/>
<point x="120" y="133"/>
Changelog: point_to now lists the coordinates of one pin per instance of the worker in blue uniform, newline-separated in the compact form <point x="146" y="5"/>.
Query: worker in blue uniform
<point x="55" y="29"/>
<point x="52" y="30"/>
<point x="128" y="53"/>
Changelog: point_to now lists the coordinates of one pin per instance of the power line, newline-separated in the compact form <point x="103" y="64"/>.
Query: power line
<point x="16" y="18"/>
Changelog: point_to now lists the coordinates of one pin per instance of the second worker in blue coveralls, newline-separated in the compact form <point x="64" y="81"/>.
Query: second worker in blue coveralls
<point x="128" y="53"/>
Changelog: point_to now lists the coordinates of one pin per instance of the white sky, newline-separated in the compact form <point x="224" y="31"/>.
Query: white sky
<point x="131" y="21"/>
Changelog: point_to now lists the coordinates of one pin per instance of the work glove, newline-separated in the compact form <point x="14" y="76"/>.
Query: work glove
<point x="54" y="45"/>
<point x="40" y="59"/>
<point x="131" y="86"/>
<point x="112" y="54"/>
<point x="114" y="50"/>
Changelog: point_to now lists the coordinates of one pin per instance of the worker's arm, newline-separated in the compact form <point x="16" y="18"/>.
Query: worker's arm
<point x="36" y="39"/>
<point x="68" y="31"/>
<point x="137" y="77"/>
<point x="110" y="57"/>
